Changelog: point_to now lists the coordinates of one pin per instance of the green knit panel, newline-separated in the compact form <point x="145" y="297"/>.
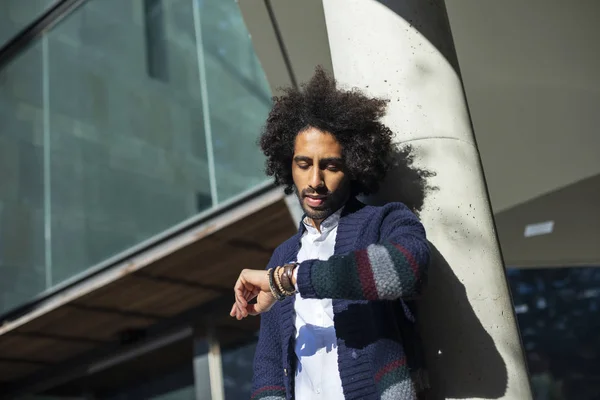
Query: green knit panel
<point x="337" y="278"/>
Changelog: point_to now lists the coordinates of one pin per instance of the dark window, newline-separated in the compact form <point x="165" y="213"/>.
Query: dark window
<point x="557" y="310"/>
<point x="203" y="201"/>
<point x="156" y="40"/>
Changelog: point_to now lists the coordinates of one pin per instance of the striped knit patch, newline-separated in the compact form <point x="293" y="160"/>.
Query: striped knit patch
<point x="366" y="274"/>
<point x="272" y="398"/>
<point x="386" y="279"/>
<point x="380" y="272"/>
<point x="406" y="267"/>
<point x="394" y="382"/>
<point x="402" y="390"/>
<point x="269" y="393"/>
<point x="409" y="258"/>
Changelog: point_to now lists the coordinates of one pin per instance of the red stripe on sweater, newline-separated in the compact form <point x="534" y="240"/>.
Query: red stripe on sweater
<point x="267" y="388"/>
<point x="411" y="260"/>
<point x="365" y="274"/>
<point x="390" y="367"/>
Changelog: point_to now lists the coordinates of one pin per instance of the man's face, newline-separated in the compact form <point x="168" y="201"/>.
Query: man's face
<point x="319" y="173"/>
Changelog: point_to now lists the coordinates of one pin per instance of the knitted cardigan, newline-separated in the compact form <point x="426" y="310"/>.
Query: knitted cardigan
<point x="377" y="271"/>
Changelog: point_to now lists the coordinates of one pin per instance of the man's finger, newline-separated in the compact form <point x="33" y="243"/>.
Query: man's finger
<point x="242" y="309"/>
<point x="252" y="310"/>
<point x="239" y="310"/>
<point x="239" y="293"/>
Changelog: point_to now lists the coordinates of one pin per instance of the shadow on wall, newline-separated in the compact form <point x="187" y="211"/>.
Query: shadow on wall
<point x="461" y="356"/>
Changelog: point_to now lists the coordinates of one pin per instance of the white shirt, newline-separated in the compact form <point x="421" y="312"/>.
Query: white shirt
<point x="317" y="375"/>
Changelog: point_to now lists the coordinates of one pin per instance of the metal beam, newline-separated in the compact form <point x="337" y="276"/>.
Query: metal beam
<point x="149" y="252"/>
<point x="37" y="27"/>
<point x="182" y="282"/>
<point x="282" y="47"/>
<point x="139" y="349"/>
<point x="23" y="361"/>
<point x="116" y="311"/>
<point x="80" y="366"/>
<point x="62" y="338"/>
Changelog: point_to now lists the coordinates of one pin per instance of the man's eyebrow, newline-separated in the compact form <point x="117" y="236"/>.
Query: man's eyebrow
<point x="302" y="158"/>
<point x="331" y="160"/>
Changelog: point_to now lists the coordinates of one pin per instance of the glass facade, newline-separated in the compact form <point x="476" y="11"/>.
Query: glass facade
<point x="557" y="312"/>
<point x="123" y="120"/>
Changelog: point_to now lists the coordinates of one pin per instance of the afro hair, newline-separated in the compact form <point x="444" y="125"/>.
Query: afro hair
<point x="353" y="118"/>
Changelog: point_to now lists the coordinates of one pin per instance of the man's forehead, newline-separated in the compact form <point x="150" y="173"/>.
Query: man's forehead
<point x="315" y="141"/>
<point x="328" y="157"/>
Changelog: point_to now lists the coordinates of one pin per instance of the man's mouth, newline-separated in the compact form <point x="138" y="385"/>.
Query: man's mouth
<point x="315" y="201"/>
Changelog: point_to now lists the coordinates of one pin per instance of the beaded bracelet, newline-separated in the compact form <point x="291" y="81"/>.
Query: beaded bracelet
<point x="274" y="291"/>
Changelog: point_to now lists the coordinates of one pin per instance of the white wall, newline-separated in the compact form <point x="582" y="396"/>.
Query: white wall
<point x="531" y="71"/>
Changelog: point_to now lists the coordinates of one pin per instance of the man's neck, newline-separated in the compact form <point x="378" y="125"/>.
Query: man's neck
<point x="316" y="223"/>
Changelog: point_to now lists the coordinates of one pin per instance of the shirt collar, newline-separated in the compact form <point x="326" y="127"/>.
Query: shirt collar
<point x="327" y="224"/>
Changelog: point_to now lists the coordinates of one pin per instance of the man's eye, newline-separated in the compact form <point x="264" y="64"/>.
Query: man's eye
<point x="303" y="166"/>
<point x="333" y="168"/>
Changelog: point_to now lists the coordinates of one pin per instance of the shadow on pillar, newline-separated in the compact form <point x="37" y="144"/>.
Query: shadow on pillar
<point x="461" y="356"/>
<point x="405" y="182"/>
<point x="430" y="18"/>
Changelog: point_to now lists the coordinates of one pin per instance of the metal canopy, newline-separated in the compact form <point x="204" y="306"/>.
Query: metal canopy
<point x="185" y="280"/>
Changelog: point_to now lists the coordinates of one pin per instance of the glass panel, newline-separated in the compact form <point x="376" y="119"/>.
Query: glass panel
<point x="557" y="310"/>
<point x="22" y="273"/>
<point x="17" y="14"/>
<point x="104" y="141"/>
<point x="128" y="154"/>
<point x="239" y="97"/>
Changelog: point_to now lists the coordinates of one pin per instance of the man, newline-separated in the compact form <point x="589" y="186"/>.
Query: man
<point x="337" y="297"/>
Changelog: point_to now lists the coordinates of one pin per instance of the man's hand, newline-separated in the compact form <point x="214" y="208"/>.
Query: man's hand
<point x="251" y="284"/>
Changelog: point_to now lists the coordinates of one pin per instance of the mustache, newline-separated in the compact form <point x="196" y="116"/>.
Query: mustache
<point x="310" y="192"/>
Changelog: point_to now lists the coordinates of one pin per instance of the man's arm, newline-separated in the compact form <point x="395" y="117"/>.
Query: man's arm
<point x="267" y="382"/>
<point x="391" y="269"/>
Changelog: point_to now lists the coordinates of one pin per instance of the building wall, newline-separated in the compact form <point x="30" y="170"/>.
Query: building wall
<point x="103" y="132"/>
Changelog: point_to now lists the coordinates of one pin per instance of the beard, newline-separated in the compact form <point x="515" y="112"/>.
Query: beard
<point x="333" y="201"/>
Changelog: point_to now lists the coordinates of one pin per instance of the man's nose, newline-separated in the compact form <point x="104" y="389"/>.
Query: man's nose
<point x="316" y="178"/>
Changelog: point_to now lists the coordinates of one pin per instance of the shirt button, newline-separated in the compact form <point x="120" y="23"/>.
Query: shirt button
<point x="318" y="391"/>
<point x="285" y="371"/>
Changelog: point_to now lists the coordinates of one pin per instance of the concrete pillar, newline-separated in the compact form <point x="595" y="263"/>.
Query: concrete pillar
<point x="208" y="371"/>
<point x="402" y="50"/>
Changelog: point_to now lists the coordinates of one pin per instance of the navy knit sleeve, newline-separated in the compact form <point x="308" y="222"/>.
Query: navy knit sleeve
<point x="394" y="266"/>
<point x="268" y="379"/>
